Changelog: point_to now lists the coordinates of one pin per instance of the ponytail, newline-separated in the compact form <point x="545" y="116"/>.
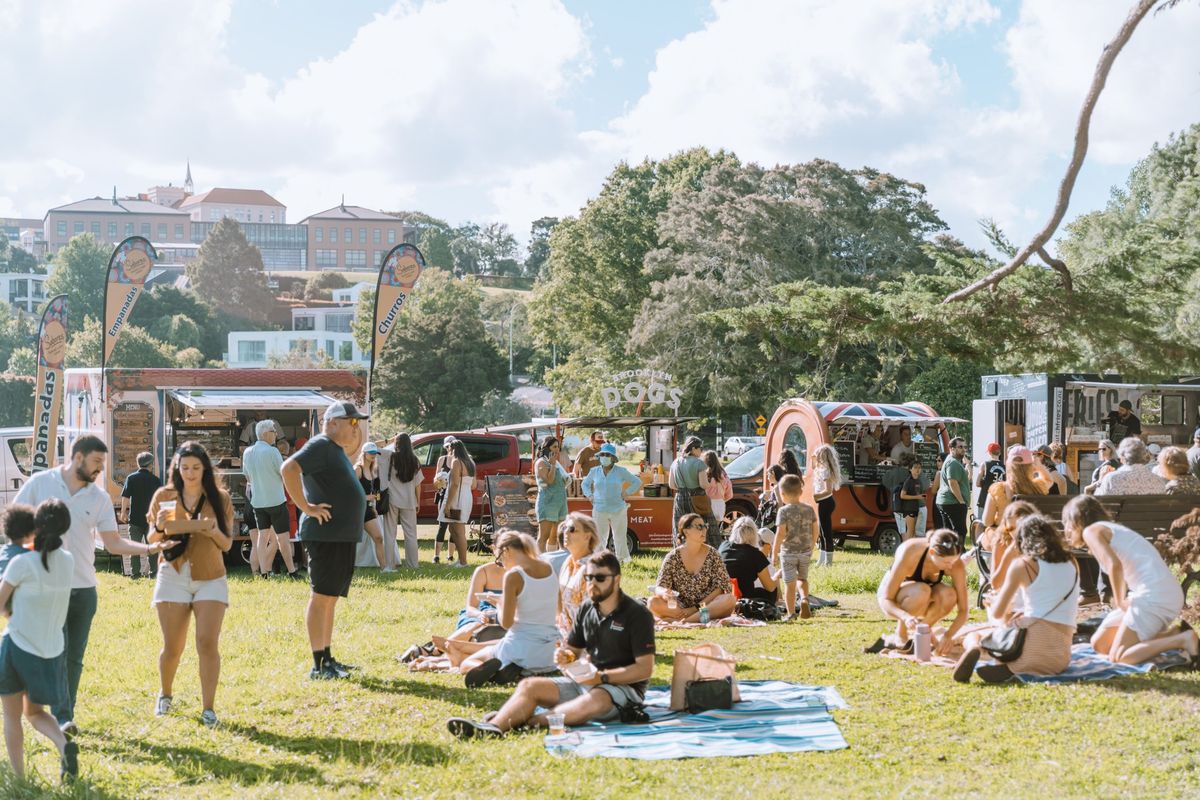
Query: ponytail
<point x="51" y="519"/>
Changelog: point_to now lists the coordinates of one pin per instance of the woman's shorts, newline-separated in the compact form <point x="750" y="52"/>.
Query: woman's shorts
<point x="795" y="565"/>
<point x="1145" y="619"/>
<point x="177" y="586"/>
<point x="551" y="510"/>
<point x="41" y="679"/>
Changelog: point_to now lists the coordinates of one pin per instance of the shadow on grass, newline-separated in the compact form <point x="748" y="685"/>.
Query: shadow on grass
<point x="14" y="788"/>
<point x="362" y="752"/>
<point x="459" y="695"/>
<point x="1169" y="682"/>
<point x="195" y="764"/>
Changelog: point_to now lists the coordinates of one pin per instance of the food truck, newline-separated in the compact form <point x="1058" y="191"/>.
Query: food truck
<point x="156" y="410"/>
<point x="1040" y="408"/>
<point x="650" y="513"/>
<point x="864" y="506"/>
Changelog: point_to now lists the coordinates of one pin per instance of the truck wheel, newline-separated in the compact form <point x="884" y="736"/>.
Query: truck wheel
<point x="631" y="541"/>
<point x="735" y="510"/>
<point x="887" y="540"/>
<point x="244" y="551"/>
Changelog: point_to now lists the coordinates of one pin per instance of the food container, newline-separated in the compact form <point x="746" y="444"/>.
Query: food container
<point x="579" y="671"/>
<point x="651" y="491"/>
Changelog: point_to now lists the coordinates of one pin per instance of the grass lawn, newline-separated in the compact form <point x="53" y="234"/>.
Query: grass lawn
<point x="912" y="731"/>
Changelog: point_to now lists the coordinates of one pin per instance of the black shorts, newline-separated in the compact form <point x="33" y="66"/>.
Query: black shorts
<point x="331" y="567"/>
<point x="371" y="512"/>
<point x="274" y="518"/>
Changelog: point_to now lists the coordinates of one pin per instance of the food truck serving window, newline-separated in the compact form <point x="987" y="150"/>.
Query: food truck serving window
<point x="796" y="441"/>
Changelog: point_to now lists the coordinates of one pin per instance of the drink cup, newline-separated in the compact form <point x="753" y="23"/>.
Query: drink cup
<point x="557" y="723"/>
<point x="169" y="507"/>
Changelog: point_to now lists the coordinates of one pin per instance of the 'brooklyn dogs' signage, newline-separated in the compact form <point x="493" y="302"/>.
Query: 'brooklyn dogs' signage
<point x="52" y="350"/>
<point x="637" y="386"/>
<point x="128" y="269"/>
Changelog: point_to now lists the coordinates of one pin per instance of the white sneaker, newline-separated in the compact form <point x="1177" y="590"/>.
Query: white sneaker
<point x="460" y="565"/>
<point x="163" y="706"/>
<point x="69" y="728"/>
<point x="209" y="718"/>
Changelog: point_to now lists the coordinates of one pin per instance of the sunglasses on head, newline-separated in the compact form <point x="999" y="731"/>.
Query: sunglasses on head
<point x="599" y="577"/>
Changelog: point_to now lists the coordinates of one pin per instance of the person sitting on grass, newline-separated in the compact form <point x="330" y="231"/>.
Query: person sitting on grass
<point x="617" y="634"/>
<point x="1146" y="597"/>
<point x="528" y="610"/>
<point x="1041" y="595"/>
<point x="32" y="668"/>
<point x="912" y="591"/>
<point x="746" y="564"/>
<point x="796" y="532"/>
<point x="577" y="535"/>
<point x="1004" y="538"/>
<point x="694" y="574"/>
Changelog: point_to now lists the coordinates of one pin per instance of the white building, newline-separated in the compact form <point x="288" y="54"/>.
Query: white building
<point x="324" y="329"/>
<point x="243" y="205"/>
<point x="349" y="296"/>
<point x="24" y="290"/>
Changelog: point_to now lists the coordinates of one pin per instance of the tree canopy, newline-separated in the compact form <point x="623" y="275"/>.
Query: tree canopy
<point x="228" y="273"/>
<point x="80" y="271"/>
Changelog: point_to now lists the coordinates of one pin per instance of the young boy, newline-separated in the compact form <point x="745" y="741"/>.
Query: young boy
<point x="17" y="525"/>
<point x="32" y="669"/>
<point x="796" y="533"/>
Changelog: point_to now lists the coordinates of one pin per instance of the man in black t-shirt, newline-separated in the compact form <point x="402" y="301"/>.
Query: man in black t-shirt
<point x="139" y="487"/>
<point x="321" y="482"/>
<point x="990" y="472"/>
<point x="1123" y="422"/>
<point x="617" y="633"/>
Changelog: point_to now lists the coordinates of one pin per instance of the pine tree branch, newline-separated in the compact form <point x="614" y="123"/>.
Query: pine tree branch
<point x="1099" y="78"/>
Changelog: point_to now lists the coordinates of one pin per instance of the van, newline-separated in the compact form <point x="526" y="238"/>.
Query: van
<point x="16" y="446"/>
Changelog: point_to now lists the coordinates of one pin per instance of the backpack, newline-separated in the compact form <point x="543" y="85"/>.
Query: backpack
<point x="753" y="608"/>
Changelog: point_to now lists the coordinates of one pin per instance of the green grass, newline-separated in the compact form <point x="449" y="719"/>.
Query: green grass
<point x="912" y="731"/>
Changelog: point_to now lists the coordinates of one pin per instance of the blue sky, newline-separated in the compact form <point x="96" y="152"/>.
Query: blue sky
<point x="488" y="110"/>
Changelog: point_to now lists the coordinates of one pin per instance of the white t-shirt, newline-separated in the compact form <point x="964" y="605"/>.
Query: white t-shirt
<point x="40" y="599"/>
<point x="901" y="448"/>
<point x="91" y="511"/>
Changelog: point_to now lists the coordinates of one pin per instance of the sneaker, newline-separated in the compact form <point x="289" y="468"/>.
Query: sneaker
<point x="327" y="672"/>
<point x="437" y="560"/>
<point x="208" y="718"/>
<point x="995" y="673"/>
<point x="70" y="762"/>
<point x="460" y="565"/>
<point x="163" y="706"/>
<point x="469" y="729"/>
<point x="483" y="673"/>
<point x="509" y="675"/>
<point x="69" y="728"/>
<point x="295" y="575"/>
<point x="388" y="569"/>
<point x="340" y="666"/>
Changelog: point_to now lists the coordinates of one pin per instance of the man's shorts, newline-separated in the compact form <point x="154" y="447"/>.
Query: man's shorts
<point x="795" y="565"/>
<point x="274" y="518"/>
<point x="622" y="696"/>
<point x="331" y="567"/>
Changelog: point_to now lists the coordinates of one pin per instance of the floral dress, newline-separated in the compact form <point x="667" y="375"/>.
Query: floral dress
<point x="693" y="587"/>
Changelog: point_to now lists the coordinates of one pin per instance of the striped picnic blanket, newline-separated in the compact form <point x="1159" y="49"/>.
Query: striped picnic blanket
<point x="772" y="717"/>
<point x="1088" y="665"/>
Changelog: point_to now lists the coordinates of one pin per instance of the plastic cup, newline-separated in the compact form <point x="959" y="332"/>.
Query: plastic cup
<point x="168" y="505"/>
<point x="557" y="723"/>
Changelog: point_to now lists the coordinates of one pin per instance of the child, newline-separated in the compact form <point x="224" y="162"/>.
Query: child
<point x="18" y="529"/>
<point x="32" y="672"/>
<point x="796" y="533"/>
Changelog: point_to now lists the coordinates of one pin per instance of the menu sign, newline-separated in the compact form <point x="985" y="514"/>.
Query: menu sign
<point x="133" y="433"/>
<point x="511" y="506"/>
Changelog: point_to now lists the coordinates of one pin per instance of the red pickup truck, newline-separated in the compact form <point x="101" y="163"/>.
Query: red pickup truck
<point x="494" y="454"/>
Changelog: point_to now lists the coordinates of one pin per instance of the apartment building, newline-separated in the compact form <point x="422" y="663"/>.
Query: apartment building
<point x="109" y="221"/>
<point x="324" y="329"/>
<point x="23" y="290"/>
<point x="351" y="238"/>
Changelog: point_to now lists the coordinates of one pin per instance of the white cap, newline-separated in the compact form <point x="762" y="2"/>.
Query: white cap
<point x="344" y="411"/>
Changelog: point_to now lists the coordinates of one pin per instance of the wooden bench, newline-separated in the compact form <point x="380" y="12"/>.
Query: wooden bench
<point x="1151" y="515"/>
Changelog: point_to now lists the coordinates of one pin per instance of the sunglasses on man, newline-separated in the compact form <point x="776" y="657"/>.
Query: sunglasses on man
<point x="597" y="577"/>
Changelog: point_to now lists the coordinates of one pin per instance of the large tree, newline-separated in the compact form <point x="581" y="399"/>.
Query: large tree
<point x="14" y="259"/>
<point x="80" y="271"/>
<point x="538" y="252"/>
<point x="135" y="348"/>
<point x="439" y="364"/>
<point x="228" y="273"/>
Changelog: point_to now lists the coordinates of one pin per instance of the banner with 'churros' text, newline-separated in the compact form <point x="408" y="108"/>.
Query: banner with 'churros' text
<point x="48" y="391"/>
<point x="398" y="276"/>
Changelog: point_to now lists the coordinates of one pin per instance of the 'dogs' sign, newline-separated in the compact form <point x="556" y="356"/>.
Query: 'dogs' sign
<point x="642" y="385"/>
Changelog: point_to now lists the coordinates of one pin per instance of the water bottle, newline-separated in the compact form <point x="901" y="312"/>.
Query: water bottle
<point x="704" y="615"/>
<point x="922" y="641"/>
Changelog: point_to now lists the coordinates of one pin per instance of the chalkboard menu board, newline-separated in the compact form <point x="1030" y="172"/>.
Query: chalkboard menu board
<point x="510" y="505"/>
<point x="927" y="452"/>
<point x="133" y="433"/>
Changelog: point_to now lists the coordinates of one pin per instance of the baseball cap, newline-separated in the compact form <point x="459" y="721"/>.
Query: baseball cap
<point x="766" y="536"/>
<point x="371" y="447"/>
<point x="994" y="449"/>
<point x="1044" y="450"/>
<point x="1020" y="454"/>
<point x="344" y="411"/>
<point x="449" y="440"/>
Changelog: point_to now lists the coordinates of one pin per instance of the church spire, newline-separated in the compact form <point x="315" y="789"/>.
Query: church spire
<point x="187" y="181"/>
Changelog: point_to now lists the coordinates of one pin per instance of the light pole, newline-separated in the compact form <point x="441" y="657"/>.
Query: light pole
<point x="511" y="309"/>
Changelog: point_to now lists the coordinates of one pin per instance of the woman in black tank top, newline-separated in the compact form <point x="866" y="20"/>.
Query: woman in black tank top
<point x="911" y="596"/>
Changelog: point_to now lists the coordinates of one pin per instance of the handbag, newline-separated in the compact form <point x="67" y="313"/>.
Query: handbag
<point x="701" y="503"/>
<point x="384" y="503"/>
<point x="702" y="663"/>
<point x="181" y="542"/>
<point x="1007" y="643"/>
<point x="701" y="696"/>
<point x="695" y="499"/>
<point x="754" y="608"/>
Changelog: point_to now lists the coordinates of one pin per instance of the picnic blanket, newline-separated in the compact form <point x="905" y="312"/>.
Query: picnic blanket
<point x="1086" y="665"/>
<point x="732" y="621"/>
<point x="772" y="717"/>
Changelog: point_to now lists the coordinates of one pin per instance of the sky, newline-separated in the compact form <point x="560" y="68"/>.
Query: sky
<point x="486" y="110"/>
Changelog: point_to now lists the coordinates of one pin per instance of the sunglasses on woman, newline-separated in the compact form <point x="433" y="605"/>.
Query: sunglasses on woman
<point x="698" y="526"/>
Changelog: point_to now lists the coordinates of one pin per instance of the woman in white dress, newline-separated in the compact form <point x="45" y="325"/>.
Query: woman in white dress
<point x="528" y="609"/>
<point x="1147" y="597"/>
<point x="456" y="507"/>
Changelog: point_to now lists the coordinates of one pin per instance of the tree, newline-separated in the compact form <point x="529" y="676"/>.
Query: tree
<point x="80" y="272"/>
<point x="16" y="260"/>
<point x="190" y="358"/>
<point x="177" y="330"/>
<point x="498" y="250"/>
<point x="539" y="247"/>
<point x="438" y="364"/>
<point x="228" y="273"/>
<point x="135" y="348"/>
<point x="16" y="331"/>
<point x="23" y="361"/>
<point x="320" y="286"/>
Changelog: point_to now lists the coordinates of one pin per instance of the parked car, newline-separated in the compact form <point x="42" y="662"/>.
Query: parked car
<point x="746" y="474"/>
<point x="737" y="445"/>
<point x="494" y="454"/>
<point x="634" y="445"/>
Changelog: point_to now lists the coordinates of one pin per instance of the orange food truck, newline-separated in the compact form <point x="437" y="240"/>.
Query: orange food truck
<point x="650" y="513"/>
<point x="864" y="506"/>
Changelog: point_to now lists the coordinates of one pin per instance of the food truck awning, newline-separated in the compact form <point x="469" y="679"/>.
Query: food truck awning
<point x="274" y="400"/>
<point x="1144" y="387"/>
<point x="586" y="422"/>
<point x="836" y="412"/>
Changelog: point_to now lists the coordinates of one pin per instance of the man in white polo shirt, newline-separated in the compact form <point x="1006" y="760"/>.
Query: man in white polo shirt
<point x="91" y="512"/>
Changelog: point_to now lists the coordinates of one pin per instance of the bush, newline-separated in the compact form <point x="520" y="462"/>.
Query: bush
<point x="16" y="400"/>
